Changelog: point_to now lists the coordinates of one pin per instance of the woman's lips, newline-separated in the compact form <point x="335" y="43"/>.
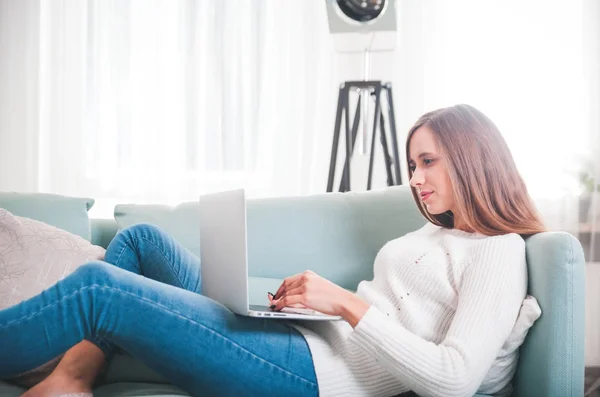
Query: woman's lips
<point x="426" y="196"/>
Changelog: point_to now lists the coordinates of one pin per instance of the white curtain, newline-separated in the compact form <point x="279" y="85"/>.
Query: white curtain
<point x="161" y="100"/>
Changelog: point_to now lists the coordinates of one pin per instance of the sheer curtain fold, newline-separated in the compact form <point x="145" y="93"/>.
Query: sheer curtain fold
<point x="186" y="97"/>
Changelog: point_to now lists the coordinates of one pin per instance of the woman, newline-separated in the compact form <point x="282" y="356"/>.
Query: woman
<point x="442" y="302"/>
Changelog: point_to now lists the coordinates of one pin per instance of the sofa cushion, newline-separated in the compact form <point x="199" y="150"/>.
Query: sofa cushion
<point x="127" y="389"/>
<point x="120" y="389"/>
<point x="9" y="390"/>
<point x="35" y="255"/>
<point x="182" y="222"/>
<point x="124" y="368"/>
<point x="103" y="231"/>
<point x="67" y="213"/>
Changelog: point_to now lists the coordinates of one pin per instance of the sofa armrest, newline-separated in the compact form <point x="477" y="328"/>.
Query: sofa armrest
<point x="552" y="359"/>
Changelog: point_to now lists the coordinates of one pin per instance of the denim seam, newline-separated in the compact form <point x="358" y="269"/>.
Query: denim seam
<point x="181" y="284"/>
<point x="93" y="286"/>
<point x="121" y="254"/>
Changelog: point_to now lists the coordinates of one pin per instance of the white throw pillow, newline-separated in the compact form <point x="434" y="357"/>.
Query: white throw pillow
<point x="35" y="255"/>
<point x="503" y="369"/>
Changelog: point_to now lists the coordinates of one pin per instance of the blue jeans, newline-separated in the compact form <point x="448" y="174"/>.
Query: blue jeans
<point x="146" y="300"/>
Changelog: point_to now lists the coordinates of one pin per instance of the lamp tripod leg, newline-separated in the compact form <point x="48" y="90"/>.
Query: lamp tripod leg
<point x="392" y="120"/>
<point x="386" y="153"/>
<point x="374" y="136"/>
<point x="336" y="139"/>
<point x="357" y="116"/>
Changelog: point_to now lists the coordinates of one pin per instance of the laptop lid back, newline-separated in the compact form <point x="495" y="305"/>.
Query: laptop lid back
<point x="223" y="251"/>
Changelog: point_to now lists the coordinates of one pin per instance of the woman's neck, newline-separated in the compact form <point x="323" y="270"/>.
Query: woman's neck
<point x="461" y="225"/>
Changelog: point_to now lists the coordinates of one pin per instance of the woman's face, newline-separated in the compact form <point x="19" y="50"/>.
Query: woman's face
<point x="430" y="176"/>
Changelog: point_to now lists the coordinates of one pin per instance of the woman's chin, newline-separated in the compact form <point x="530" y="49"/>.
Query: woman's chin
<point x="433" y="210"/>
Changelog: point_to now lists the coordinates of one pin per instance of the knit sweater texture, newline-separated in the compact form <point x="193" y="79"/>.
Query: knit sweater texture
<point x="442" y="303"/>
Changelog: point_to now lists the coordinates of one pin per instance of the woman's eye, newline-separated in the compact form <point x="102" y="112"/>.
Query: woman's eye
<point x="427" y="161"/>
<point x="412" y="168"/>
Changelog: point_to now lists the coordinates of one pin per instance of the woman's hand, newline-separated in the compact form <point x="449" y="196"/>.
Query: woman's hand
<point x="310" y="290"/>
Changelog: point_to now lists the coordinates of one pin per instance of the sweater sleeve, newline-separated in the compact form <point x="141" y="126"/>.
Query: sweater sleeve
<point x="490" y="293"/>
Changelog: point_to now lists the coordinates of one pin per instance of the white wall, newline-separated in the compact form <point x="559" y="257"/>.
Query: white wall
<point x="19" y="37"/>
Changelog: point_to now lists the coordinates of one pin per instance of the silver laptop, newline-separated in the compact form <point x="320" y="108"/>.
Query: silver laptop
<point x="224" y="258"/>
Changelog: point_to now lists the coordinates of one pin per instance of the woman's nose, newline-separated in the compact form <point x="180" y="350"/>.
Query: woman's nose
<point x="417" y="178"/>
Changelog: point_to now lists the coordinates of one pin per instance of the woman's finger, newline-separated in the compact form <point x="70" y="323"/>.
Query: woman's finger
<point x="299" y="290"/>
<point x="288" y="301"/>
<point x="303" y="279"/>
<point x="285" y="285"/>
<point x="292" y="297"/>
<point x="272" y="301"/>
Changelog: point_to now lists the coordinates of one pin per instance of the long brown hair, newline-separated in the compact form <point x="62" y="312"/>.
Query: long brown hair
<point x="490" y="195"/>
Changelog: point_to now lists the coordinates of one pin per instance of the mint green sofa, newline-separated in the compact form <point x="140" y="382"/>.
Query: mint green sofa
<point x="338" y="235"/>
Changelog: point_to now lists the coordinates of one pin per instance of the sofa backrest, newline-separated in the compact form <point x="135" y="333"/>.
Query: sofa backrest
<point x="336" y="235"/>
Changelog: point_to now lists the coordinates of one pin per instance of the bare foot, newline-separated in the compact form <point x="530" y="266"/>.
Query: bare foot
<point x="58" y="384"/>
<point x="74" y="375"/>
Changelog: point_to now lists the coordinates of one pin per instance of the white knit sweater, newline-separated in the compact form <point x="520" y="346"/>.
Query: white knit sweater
<point x="443" y="302"/>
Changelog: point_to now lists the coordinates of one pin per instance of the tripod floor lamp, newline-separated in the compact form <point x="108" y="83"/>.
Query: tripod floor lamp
<point x="392" y="162"/>
<point x="364" y="26"/>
